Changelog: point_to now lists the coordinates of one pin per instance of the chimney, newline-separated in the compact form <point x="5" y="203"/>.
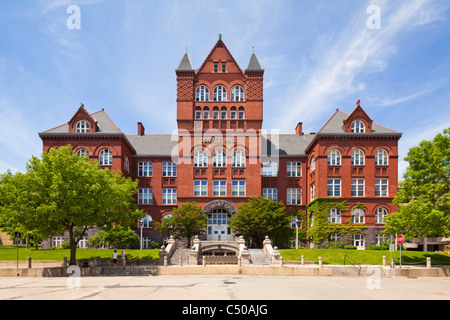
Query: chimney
<point x="141" y="129"/>
<point x="299" y="129"/>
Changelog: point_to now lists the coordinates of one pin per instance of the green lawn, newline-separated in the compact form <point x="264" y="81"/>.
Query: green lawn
<point x="9" y="253"/>
<point x="371" y="257"/>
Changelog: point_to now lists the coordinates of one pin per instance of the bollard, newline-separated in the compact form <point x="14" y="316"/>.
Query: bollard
<point x="281" y="262"/>
<point x="180" y="261"/>
<point x="392" y="263"/>
<point x="303" y="260"/>
<point x="384" y="261"/>
<point x="165" y="261"/>
<point x="428" y="262"/>
<point x="204" y="261"/>
<point x="29" y="262"/>
<point x="320" y="262"/>
<point x="239" y="261"/>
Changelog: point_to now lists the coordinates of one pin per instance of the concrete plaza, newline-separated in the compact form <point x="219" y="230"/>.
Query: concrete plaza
<point x="224" y="287"/>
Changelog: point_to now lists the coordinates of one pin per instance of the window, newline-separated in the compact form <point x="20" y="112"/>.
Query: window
<point x="381" y="187"/>
<point x="334" y="188"/>
<point x="83" y="153"/>
<point x="294" y="169"/>
<point x="270" y="169"/>
<point x="357" y="157"/>
<point x="145" y="169"/>
<point x="233" y="113"/>
<point x="294" y="196"/>
<point x="105" y="157"/>
<point x="224" y="67"/>
<point x="216" y="113"/>
<point x="334" y="157"/>
<point x="169" y="196"/>
<point x="147" y="222"/>
<point x="238" y="160"/>
<point x="313" y="164"/>
<point x="241" y="113"/>
<point x="206" y="113"/>
<point x="82" y="127"/>
<point x="200" y="188"/>
<point x="334" y="216"/>
<point x="219" y="159"/>
<point x="145" y="196"/>
<point x="126" y="164"/>
<point x="169" y="169"/>
<point x="381" y="157"/>
<point x="219" y="188"/>
<point x="358" y="126"/>
<point x="237" y="93"/>
<point x="357" y="187"/>
<point x="312" y="191"/>
<point x="223" y="113"/>
<point x="200" y="159"/>
<point x="270" y="193"/>
<point x="238" y="188"/>
<point x="198" y="113"/>
<point x="358" y="215"/>
<point x="57" y="241"/>
<point x="202" y="93"/>
<point x="358" y="241"/>
<point x="380" y="214"/>
<point x="220" y="93"/>
<point x="216" y="67"/>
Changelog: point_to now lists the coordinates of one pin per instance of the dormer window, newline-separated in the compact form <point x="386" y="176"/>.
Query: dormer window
<point x="358" y="126"/>
<point x="82" y="127"/>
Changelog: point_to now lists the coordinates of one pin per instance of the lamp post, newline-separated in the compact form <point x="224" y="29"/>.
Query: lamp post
<point x="296" y="233"/>
<point x="141" y="222"/>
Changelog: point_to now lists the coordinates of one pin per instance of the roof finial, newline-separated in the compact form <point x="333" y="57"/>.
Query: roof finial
<point x="220" y="36"/>
<point x="186" y="50"/>
<point x="81" y="105"/>
<point x="358" y="103"/>
<point x="253" y="49"/>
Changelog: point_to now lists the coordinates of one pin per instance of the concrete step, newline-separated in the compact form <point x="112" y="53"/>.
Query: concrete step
<point x="128" y="271"/>
<point x="175" y="259"/>
<point x="259" y="257"/>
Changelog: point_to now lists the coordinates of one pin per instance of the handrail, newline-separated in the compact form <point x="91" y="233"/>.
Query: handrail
<point x="353" y="263"/>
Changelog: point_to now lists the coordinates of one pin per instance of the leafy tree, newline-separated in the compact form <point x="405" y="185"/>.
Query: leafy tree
<point x="62" y="192"/>
<point x="186" y="221"/>
<point x="118" y="237"/>
<point x="260" y="217"/>
<point x="424" y="196"/>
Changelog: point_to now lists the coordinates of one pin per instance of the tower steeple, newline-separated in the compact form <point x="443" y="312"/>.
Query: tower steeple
<point x="185" y="64"/>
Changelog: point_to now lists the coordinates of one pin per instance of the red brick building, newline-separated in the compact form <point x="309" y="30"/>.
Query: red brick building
<point x="221" y="157"/>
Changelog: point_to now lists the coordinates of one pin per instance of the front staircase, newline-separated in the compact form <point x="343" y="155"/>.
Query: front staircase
<point x="259" y="257"/>
<point x="131" y="270"/>
<point x="183" y="253"/>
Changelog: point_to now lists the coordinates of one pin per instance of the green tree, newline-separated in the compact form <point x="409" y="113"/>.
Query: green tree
<point x="62" y="192"/>
<point x="186" y="221"/>
<point x="424" y="196"/>
<point x="118" y="237"/>
<point x="260" y="217"/>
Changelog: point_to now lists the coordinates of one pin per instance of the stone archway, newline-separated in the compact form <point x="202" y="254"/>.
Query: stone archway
<point x="218" y="213"/>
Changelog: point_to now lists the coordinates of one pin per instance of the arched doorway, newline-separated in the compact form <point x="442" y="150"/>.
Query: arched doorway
<point x="219" y="213"/>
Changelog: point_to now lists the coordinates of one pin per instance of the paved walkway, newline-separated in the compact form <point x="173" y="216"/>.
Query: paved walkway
<point x="224" y="288"/>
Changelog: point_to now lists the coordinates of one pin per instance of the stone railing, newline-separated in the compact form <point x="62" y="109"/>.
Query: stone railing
<point x="166" y="252"/>
<point x="195" y="251"/>
<point x="244" y="254"/>
<point x="272" y="252"/>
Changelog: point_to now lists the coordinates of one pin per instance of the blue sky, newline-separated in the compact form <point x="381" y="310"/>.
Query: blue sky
<point x="318" y="56"/>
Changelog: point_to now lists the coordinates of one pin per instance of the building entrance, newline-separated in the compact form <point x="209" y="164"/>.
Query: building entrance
<point x="218" y="228"/>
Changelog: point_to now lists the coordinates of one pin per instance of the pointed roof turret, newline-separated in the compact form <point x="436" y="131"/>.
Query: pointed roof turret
<point x="185" y="64"/>
<point x="253" y="65"/>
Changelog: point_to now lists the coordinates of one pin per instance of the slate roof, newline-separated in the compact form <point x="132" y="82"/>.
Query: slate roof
<point x="185" y="64"/>
<point x="254" y="64"/>
<point x="155" y="145"/>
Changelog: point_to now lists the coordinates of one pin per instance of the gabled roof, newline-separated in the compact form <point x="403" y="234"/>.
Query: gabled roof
<point x="104" y="123"/>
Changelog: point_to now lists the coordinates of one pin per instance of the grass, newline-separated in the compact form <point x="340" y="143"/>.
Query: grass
<point x="370" y="257"/>
<point x="9" y="253"/>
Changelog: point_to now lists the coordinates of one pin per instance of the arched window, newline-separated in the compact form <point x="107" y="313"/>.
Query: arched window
<point x="215" y="113"/>
<point x="126" y="164"/>
<point x="237" y="93"/>
<point x="147" y="222"/>
<point x="358" y="126"/>
<point x="381" y="157"/>
<point x="238" y="159"/>
<point x="313" y="164"/>
<point x="334" y="157"/>
<point x="220" y="93"/>
<point x="357" y="157"/>
<point x="205" y="113"/>
<point x="233" y="113"/>
<point x="202" y="93"/>
<point x="200" y="159"/>
<point x="358" y="215"/>
<point x="380" y="214"/>
<point x="83" y="153"/>
<point x="82" y="127"/>
<point x="334" y="216"/>
<point x="105" y="157"/>
<point x="241" y="113"/>
<point x="219" y="159"/>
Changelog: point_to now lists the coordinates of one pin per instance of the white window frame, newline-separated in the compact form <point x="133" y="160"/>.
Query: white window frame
<point x="270" y="169"/>
<point x="219" y="188"/>
<point x="105" y="157"/>
<point x="200" y="188"/>
<point x="145" y="169"/>
<point x="358" y="187"/>
<point x="294" y="169"/>
<point x="202" y="93"/>
<point x="312" y="191"/>
<point x="380" y="214"/>
<point x="169" y="196"/>
<point x="82" y="127"/>
<point x="358" y="157"/>
<point x="145" y="196"/>
<point x="82" y="153"/>
<point x="312" y="165"/>
<point x="334" y="216"/>
<point x="381" y="187"/>
<point x="239" y="159"/>
<point x="334" y="157"/>
<point x="200" y="159"/>
<point x="237" y="93"/>
<point x="238" y="188"/>
<point x="358" y="216"/>
<point x="270" y="193"/>
<point x="220" y="93"/>
<point x="294" y="196"/>
<point x="169" y="169"/>
<point x="381" y="157"/>
<point x="358" y="126"/>
<point x="358" y="241"/>
<point x="335" y="185"/>
<point x="219" y="159"/>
